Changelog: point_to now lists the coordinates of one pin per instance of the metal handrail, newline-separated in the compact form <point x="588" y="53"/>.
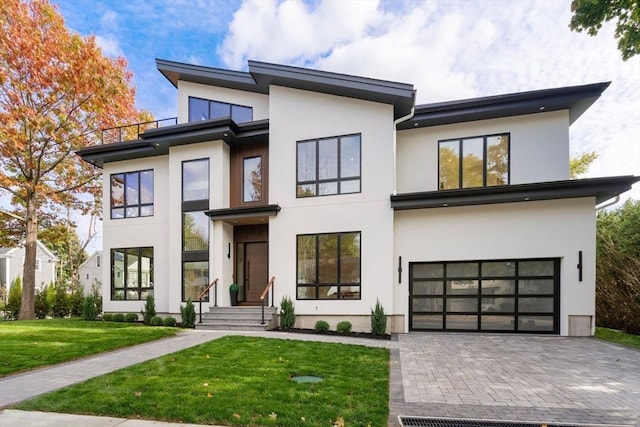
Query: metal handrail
<point x="140" y="128"/>
<point x="264" y="293"/>
<point x="214" y="285"/>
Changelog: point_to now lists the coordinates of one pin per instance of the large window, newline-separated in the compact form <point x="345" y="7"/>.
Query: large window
<point x="132" y="194"/>
<point x="252" y="179"/>
<point x="195" y="180"/>
<point x="328" y="266"/>
<point x="131" y="273"/>
<point x="203" y="109"/>
<point x="328" y="166"/>
<point x="195" y="278"/>
<point x="481" y="161"/>
<point x="501" y="295"/>
<point x="195" y="231"/>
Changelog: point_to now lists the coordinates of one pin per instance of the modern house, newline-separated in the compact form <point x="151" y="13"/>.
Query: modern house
<point x="90" y="272"/>
<point x="456" y="216"/>
<point x="12" y="264"/>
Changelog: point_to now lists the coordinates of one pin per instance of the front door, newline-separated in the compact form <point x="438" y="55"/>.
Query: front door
<point x="255" y="271"/>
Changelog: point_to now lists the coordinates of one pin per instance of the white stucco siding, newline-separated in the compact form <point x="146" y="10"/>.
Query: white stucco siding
<point x="298" y="115"/>
<point x="258" y="101"/>
<point x="148" y="231"/>
<point x="539" y="149"/>
<point x="545" y="229"/>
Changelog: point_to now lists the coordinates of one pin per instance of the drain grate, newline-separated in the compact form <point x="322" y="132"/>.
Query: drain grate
<point x="452" y="422"/>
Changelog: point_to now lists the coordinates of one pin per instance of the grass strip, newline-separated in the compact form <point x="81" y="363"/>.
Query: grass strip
<point x="30" y="344"/>
<point x="618" y="337"/>
<point x="240" y="381"/>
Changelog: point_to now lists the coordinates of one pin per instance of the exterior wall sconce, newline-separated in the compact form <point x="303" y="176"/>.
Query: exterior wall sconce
<point x="579" y="266"/>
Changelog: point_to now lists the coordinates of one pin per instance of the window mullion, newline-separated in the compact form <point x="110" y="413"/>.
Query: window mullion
<point x="485" y="156"/>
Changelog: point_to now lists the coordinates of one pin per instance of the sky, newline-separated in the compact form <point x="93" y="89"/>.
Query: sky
<point x="448" y="50"/>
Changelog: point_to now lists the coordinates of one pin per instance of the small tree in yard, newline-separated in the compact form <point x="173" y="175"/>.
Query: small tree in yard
<point x="76" y="299"/>
<point x="378" y="320"/>
<point x="287" y="313"/>
<point x="149" y="310"/>
<point x="41" y="304"/>
<point x="60" y="306"/>
<point x="188" y="314"/>
<point x="15" y="299"/>
<point x="89" y="308"/>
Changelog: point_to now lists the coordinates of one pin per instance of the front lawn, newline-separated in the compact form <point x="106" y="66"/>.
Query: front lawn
<point x="240" y="381"/>
<point x="29" y="344"/>
<point x="618" y="337"/>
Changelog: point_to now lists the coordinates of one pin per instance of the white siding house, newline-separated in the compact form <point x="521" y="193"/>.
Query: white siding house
<point x="12" y="264"/>
<point x="90" y="272"/>
<point x="456" y="216"/>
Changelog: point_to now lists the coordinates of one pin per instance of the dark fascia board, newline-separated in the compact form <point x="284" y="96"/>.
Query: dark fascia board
<point x="243" y="212"/>
<point x="576" y="99"/>
<point x="240" y="80"/>
<point x="601" y="188"/>
<point x="156" y="142"/>
<point x="400" y="95"/>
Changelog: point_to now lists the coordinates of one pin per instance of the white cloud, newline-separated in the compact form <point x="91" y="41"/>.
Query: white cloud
<point x="110" y="45"/>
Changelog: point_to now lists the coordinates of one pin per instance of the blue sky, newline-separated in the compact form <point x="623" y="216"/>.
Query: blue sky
<point x="452" y="49"/>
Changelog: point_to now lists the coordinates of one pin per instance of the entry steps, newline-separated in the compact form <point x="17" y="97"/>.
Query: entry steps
<point x="239" y="318"/>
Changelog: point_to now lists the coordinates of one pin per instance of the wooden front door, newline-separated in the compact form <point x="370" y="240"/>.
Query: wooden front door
<point x="255" y="271"/>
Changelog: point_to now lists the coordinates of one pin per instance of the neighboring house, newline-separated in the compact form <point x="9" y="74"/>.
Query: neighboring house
<point x="12" y="264"/>
<point x="456" y="216"/>
<point x="90" y="272"/>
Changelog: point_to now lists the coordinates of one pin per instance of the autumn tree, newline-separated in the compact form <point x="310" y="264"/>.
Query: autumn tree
<point x="589" y="15"/>
<point x="580" y="164"/>
<point x="57" y="91"/>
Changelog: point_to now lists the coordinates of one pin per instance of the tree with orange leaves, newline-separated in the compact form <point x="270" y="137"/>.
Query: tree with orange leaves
<point x="57" y="91"/>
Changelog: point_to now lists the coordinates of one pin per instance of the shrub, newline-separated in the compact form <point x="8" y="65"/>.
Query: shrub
<point x="287" y="313"/>
<point x="131" y="317"/>
<point x="107" y="317"/>
<point x="344" y="327"/>
<point x="169" y="321"/>
<point x="156" y="321"/>
<point x="40" y="304"/>
<point x="12" y="308"/>
<point x="378" y="320"/>
<point x="76" y="300"/>
<point x="90" y="308"/>
<point x="321" y="327"/>
<point x="148" y="310"/>
<point x="60" y="307"/>
<point x="118" y="317"/>
<point x="188" y="314"/>
<point x="96" y="292"/>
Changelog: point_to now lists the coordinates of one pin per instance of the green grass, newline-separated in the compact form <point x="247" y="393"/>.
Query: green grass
<point x="240" y="381"/>
<point x="29" y="344"/>
<point x="618" y="337"/>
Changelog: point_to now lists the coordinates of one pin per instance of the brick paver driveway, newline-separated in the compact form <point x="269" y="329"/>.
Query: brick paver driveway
<point x="508" y="377"/>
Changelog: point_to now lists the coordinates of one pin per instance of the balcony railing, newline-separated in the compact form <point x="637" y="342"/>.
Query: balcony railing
<point x="133" y="131"/>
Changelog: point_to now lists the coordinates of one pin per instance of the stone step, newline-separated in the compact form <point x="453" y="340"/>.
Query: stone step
<point x="235" y="318"/>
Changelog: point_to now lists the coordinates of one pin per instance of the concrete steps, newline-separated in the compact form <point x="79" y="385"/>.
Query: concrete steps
<point x="236" y="318"/>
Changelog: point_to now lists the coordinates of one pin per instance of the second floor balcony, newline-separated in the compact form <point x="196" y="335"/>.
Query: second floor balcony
<point x="133" y="131"/>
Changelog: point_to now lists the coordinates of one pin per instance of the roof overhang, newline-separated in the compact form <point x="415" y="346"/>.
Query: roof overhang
<point x="244" y="215"/>
<point x="602" y="189"/>
<point x="576" y="99"/>
<point x="262" y="75"/>
<point x="156" y="142"/>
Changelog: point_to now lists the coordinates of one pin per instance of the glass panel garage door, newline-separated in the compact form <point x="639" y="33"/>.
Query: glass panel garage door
<point x="491" y="296"/>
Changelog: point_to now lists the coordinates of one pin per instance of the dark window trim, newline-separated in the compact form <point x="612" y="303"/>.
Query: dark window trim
<point x="339" y="284"/>
<point x="484" y="161"/>
<point x="211" y="101"/>
<point x="339" y="180"/>
<point x="205" y="251"/>
<point x="195" y="204"/>
<point x="479" y="295"/>
<point x="125" y="273"/>
<point x="125" y="205"/>
<point x="243" y="201"/>
<point x="206" y="299"/>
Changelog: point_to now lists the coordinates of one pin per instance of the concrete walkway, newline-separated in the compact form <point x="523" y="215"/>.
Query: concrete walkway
<point x="503" y="377"/>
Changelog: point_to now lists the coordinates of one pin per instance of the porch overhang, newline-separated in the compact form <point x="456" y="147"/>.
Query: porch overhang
<point x="244" y="215"/>
<point x="602" y="189"/>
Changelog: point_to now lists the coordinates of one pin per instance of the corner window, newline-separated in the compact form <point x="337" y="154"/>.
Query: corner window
<point x="131" y="273"/>
<point x="204" y="109"/>
<point x="195" y="180"/>
<point x="132" y="194"/>
<point x="328" y="266"/>
<point x="252" y="179"/>
<point x="481" y="161"/>
<point x="328" y="166"/>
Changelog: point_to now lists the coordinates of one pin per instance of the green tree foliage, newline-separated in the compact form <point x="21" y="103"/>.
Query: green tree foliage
<point x="287" y="313"/>
<point x="589" y="15"/>
<point x="76" y="299"/>
<point x="15" y="299"/>
<point x="378" y="320"/>
<point x="580" y="164"/>
<point x="188" y="315"/>
<point x="60" y="307"/>
<point x="89" y="308"/>
<point x="618" y="268"/>
<point x="42" y="304"/>
<point x="148" y="310"/>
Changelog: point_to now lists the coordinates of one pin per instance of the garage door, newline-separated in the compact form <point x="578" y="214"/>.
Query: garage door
<point x="492" y="296"/>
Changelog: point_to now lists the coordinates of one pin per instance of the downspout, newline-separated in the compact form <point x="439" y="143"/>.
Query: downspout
<point x="395" y="143"/>
<point x="606" y="205"/>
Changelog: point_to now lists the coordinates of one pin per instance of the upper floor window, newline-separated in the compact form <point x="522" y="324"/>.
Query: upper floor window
<point x="132" y="194"/>
<point x="481" y="161"/>
<point x="195" y="180"/>
<point x="252" y="179"/>
<point x="203" y="109"/>
<point x="328" y="266"/>
<point x="328" y="166"/>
